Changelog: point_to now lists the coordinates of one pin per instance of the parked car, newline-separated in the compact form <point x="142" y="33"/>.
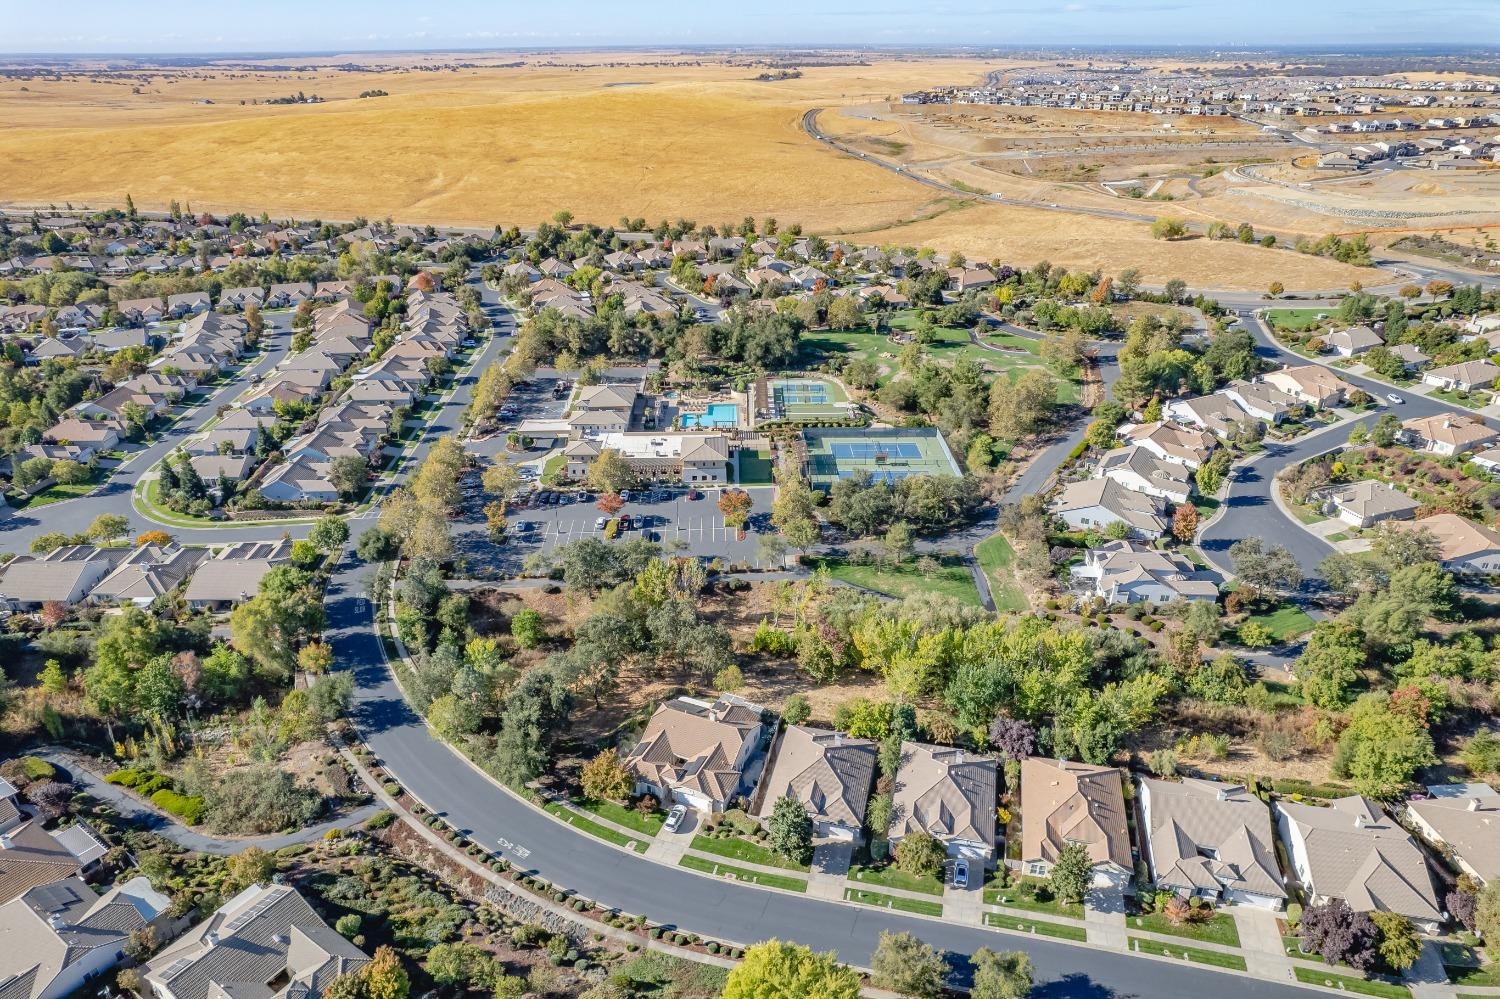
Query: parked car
<point x="960" y="873"/>
<point x="625" y="524"/>
<point x="624" y="495"/>
<point x="674" y="818"/>
<point x="1395" y="398"/>
<point x="694" y="494"/>
<point x="599" y="523"/>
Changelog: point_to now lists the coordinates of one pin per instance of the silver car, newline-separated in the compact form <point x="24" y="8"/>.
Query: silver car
<point x="674" y="818"/>
<point x="960" y="873"/>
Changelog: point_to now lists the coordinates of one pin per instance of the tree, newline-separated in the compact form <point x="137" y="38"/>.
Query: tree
<point x="52" y="679"/>
<point x="609" y="472"/>
<point x="1072" y="874"/>
<point x="348" y="473"/>
<point x="1399" y="547"/>
<point x="604" y="778"/>
<point x="1463" y="906"/>
<point x="329" y="533"/>
<point x="153" y="538"/>
<point x="1000" y="975"/>
<point x="1167" y="227"/>
<point x="107" y="527"/>
<point x="526" y="628"/>
<point x="776" y="970"/>
<point x="1339" y="934"/>
<point x="1399" y="944"/>
<point x="904" y="964"/>
<point x="1012" y="737"/>
<point x="797" y="710"/>
<point x="384" y="978"/>
<point x="1276" y="288"/>
<point x="1380" y="750"/>
<point x="792" y="512"/>
<point x="1329" y="664"/>
<point x="270" y="626"/>
<point x="920" y="854"/>
<point x="251" y="866"/>
<point x="735" y="505"/>
<point x="315" y="658"/>
<point x="501" y="479"/>
<point x="790" y="830"/>
<point x="1021" y="409"/>
<point x="1264" y="568"/>
<point x="1185" y="522"/>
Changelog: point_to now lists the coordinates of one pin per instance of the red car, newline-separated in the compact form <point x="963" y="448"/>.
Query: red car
<point x="624" y="522"/>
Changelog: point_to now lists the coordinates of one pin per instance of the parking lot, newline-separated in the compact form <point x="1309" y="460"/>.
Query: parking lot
<point x="680" y="524"/>
<point x="532" y="401"/>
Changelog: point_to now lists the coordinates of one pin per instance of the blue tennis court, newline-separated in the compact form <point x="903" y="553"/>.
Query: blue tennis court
<point x="885" y="454"/>
<point x="867" y="451"/>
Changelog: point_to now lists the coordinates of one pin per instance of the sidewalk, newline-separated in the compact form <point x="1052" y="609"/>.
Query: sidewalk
<point x="1260" y="943"/>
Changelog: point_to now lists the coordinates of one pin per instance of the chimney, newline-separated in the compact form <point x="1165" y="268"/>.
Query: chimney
<point x="212" y="938"/>
<point x="1359" y="821"/>
<point x="5" y="842"/>
<point x="1473" y="804"/>
<point x="56" y="922"/>
<point x="1222" y="794"/>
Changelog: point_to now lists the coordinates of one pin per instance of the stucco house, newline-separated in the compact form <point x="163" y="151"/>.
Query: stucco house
<point x="696" y="753"/>
<point x="1211" y="839"/>
<point x="1064" y="803"/>
<point x="950" y="794"/>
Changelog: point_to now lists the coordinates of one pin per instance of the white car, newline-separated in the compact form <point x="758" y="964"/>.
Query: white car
<point x="674" y="818"/>
<point x="960" y="873"/>
<point x="600" y="522"/>
<point x="1395" y="398"/>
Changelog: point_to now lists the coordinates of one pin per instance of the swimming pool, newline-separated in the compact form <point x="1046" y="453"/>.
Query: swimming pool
<point x="719" y="414"/>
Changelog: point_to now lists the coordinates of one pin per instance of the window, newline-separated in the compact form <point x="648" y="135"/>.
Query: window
<point x="1037" y="870"/>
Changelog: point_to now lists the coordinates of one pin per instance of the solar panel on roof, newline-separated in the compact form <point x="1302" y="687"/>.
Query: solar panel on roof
<point x="55" y="897"/>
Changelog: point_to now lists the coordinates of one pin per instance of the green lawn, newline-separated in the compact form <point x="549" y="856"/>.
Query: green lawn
<point x="1026" y="898"/>
<point x="1485" y="977"/>
<point x="890" y="877"/>
<point x="552" y="468"/>
<point x="952" y="578"/>
<point x="1318" y="976"/>
<point x="1296" y="320"/>
<point x="58" y="491"/>
<point x="741" y="874"/>
<point x="997" y="558"/>
<point x="594" y="829"/>
<point x="741" y="849"/>
<point x="1037" y="926"/>
<point x="1195" y="954"/>
<point x="1474" y="400"/>
<point x="896" y="902"/>
<point x="1285" y="622"/>
<point x="1220" y="929"/>
<point x="756" y="468"/>
<point x="617" y="813"/>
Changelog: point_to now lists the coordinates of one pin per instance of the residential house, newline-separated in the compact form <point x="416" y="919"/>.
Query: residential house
<point x="962" y="279"/>
<point x="147" y="572"/>
<point x="289" y="295"/>
<point x="213" y="467"/>
<point x="1448" y="433"/>
<point x="1353" y="340"/>
<point x="54" y="348"/>
<point x="234" y="573"/>
<point x="80" y="453"/>
<point x="1311" y="384"/>
<point x="1124" y="572"/>
<point x="189" y="303"/>
<point x="1170" y="442"/>
<point x="808" y="277"/>
<point x="56" y="938"/>
<point x="1217" y="413"/>
<point x="117" y="402"/>
<point x="142" y="310"/>
<point x="238" y="298"/>
<point x="1353" y="851"/>
<point x="1367" y="503"/>
<point x="65" y="575"/>
<point x="1462" y="821"/>
<point x="302" y="478"/>
<point x="1464" y="547"/>
<point x="1411" y="356"/>
<point x="1210" y="839"/>
<point x="30" y="856"/>
<point x="264" y="943"/>
<point x="1466" y="376"/>
<point x="1098" y="503"/>
<point x="951" y="795"/>
<point x="1138" y="469"/>
<point x="1264" y="402"/>
<point x="828" y="772"/>
<point x="697" y="754"/>
<point x="1065" y="803"/>
<point x="101" y="435"/>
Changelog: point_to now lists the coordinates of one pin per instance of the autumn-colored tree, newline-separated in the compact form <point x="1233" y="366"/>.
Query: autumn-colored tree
<point x="1438" y="288"/>
<point x="153" y="538"/>
<point x="1104" y="291"/>
<point x="1410" y="291"/>
<point x="54" y="613"/>
<point x="1276" y="288"/>
<point x="315" y="657"/>
<point x="610" y="503"/>
<point x="604" y="778"/>
<point x="735" y="505"/>
<point x="1185" y="522"/>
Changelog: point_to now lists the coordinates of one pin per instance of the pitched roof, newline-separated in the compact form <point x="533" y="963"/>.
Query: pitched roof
<point x="829" y="772"/>
<point x="949" y="793"/>
<point x="1208" y="834"/>
<point x="1453" y="429"/>
<point x="1370" y="498"/>
<point x="1357" y="853"/>
<point x="1458" y="537"/>
<point x="1136" y="509"/>
<point x="694" y="745"/>
<point x="30" y="856"/>
<point x="1181" y="442"/>
<point x="1159" y="473"/>
<point x="53" y="927"/>
<point x="1063" y="802"/>
<point x="1468" y="822"/>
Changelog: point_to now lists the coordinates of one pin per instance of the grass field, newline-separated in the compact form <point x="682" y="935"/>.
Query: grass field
<point x="1348" y="983"/>
<point x="1197" y="955"/>
<point x="890" y="877"/>
<point x="1285" y="622"/>
<point x="630" y="818"/>
<point x="742" y="874"/>
<point x="1028" y="902"/>
<point x="1040" y="927"/>
<point x="1296" y="320"/>
<point x="744" y="850"/>
<point x="1220" y="929"/>
<point x="951" y="580"/>
<point x="596" y="830"/>
<point x="997" y="559"/>
<point x="896" y="902"/>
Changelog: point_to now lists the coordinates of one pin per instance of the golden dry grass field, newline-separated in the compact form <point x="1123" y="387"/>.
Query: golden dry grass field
<point x="657" y="136"/>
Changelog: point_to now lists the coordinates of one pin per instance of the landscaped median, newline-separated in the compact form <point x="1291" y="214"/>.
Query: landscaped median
<point x="1197" y="955"/>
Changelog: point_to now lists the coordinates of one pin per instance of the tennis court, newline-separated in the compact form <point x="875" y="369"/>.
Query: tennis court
<point x="806" y="399"/>
<point x="884" y="454"/>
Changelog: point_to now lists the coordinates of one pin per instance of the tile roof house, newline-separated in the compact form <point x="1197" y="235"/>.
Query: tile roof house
<point x="1217" y="413"/>
<point x="55" y="938"/>
<point x="1354" y="851"/>
<point x="1262" y="401"/>
<point x="1124" y="572"/>
<point x="1448" y="433"/>
<point x="1170" y="442"/>
<point x="1210" y="839"/>
<point x="1312" y="384"/>
<point x="305" y="477"/>
<point x="147" y="572"/>
<point x="1062" y="803"/>
<point x="950" y="794"/>
<point x="66" y="575"/>
<point x="1464" y="547"/>
<point x="98" y="434"/>
<point x="264" y="943"/>
<point x="29" y="855"/>
<point x="1137" y="468"/>
<point x="1367" y="502"/>
<point x="695" y="753"/>
<point x="829" y="772"/>
<point x="1102" y="502"/>
<point x="1353" y="340"/>
<point x="1463" y="822"/>
<point x="1410" y="355"/>
<point x="1463" y="377"/>
<point x="234" y="573"/>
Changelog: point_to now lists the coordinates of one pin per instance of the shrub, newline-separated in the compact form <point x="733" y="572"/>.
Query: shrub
<point x="380" y="820"/>
<point x="37" y="769"/>
<point x="188" y="807"/>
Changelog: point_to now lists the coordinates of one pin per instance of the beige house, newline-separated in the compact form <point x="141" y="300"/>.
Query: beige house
<point x="1126" y="572"/>
<point x="1462" y="821"/>
<point x="1170" y="442"/>
<point x="1098" y="503"/>
<point x="1464" y="547"/>
<point x="1353" y="340"/>
<point x="1367" y="502"/>
<point x="234" y="573"/>
<point x="1311" y="384"/>
<point x="1064" y="803"/>
<point x="950" y="794"/>
<point x="1448" y="433"/>
<point x="1463" y="377"/>
<point x="1210" y="839"/>
<point x="1354" y="851"/>
<point x="829" y="772"/>
<point x="696" y="458"/>
<point x="695" y="753"/>
<point x="147" y="572"/>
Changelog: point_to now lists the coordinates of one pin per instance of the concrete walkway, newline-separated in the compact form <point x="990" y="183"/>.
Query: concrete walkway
<point x="1426" y="978"/>
<point x="1104" y="918"/>
<point x="141" y="814"/>
<point x="964" y="905"/>
<point x="1260" y="942"/>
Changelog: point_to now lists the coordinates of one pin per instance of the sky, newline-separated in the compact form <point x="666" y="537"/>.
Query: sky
<point x="240" y="26"/>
